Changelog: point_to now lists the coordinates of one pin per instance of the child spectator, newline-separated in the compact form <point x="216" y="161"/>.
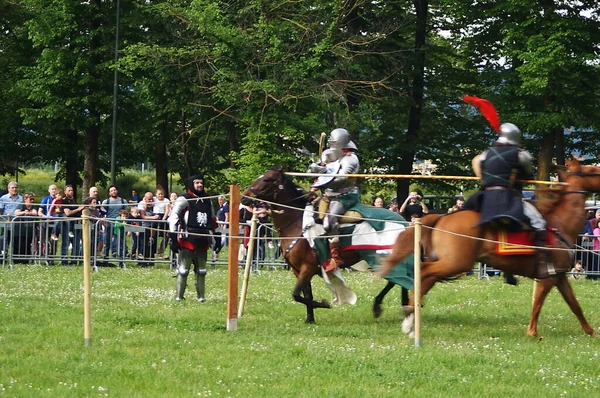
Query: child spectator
<point x="120" y="235"/>
<point x="56" y="210"/>
<point x="91" y="203"/>
<point x="577" y="272"/>
<point x="135" y="219"/>
<point x="161" y="208"/>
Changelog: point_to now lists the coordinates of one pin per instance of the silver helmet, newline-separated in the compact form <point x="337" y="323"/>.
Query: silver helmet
<point x="509" y="134"/>
<point x="339" y="138"/>
<point x="351" y="146"/>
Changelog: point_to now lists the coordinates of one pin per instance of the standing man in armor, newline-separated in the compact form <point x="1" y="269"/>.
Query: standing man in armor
<point x="190" y="222"/>
<point x="340" y="191"/>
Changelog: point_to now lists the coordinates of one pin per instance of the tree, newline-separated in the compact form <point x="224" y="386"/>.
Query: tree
<point x="531" y="57"/>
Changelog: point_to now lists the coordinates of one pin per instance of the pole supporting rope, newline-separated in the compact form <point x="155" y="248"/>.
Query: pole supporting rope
<point x="234" y="244"/>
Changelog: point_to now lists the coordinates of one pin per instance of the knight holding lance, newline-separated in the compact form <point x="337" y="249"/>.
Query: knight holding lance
<point x="340" y="191"/>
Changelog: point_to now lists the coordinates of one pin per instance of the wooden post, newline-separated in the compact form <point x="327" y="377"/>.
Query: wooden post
<point x="234" y="245"/>
<point x="87" y="272"/>
<point x="251" y="245"/>
<point x="417" y="283"/>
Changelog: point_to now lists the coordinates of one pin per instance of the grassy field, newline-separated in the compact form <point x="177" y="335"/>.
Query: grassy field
<point x="146" y="345"/>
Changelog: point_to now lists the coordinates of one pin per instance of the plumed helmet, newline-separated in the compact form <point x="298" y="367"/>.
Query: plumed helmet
<point x="351" y="146"/>
<point x="509" y="134"/>
<point x="339" y="138"/>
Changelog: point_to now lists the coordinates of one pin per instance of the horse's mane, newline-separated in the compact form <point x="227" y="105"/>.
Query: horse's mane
<point x="298" y="194"/>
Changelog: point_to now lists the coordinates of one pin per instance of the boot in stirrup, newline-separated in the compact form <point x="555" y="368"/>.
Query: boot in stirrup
<point x="335" y="261"/>
<point x="545" y="267"/>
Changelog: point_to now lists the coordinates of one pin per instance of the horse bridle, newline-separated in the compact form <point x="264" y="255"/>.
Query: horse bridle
<point x="279" y="188"/>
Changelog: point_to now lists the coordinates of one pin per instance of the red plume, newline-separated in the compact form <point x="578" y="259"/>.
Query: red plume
<point x="486" y="108"/>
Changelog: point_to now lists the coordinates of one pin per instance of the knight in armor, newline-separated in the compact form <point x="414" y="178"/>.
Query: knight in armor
<point x="500" y="168"/>
<point x="339" y="190"/>
<point x="191" y="230"/>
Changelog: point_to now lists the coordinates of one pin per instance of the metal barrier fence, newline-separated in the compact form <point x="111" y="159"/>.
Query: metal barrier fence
<point x="48" y="241"/>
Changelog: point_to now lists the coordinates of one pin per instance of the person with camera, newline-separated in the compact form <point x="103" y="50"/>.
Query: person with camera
<point x="413" y="206"/>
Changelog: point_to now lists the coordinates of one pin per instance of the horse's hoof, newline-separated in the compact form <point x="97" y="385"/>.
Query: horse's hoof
<point x="309" y="321"/>
<point x="407" y="324"/>
<point x="377" y="311"/>
<point x="325" y="304"/>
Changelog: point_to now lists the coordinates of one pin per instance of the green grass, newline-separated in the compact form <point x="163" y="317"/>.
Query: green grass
<point x="144" y="344"/>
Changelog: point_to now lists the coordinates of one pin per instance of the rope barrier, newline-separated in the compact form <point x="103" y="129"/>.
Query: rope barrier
<point x="406" y="224"/>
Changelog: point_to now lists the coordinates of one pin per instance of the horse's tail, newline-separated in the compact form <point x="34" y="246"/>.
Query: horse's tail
<point x="405" y="244"/>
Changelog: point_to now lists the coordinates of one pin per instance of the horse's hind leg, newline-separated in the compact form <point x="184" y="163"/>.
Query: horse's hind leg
<point x="541" y="289"/>
<point x="377" y="310"/>
<point x="303" y="294"/>
<point x="565" y="288"/>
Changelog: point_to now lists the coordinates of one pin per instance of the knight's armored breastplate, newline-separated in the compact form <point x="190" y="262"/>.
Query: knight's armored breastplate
<point x="342" y="184"/>
<point x="498" y="166"/>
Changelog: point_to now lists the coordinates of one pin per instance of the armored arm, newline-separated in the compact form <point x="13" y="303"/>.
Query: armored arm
<point x="176" y="218"/>
<point x="476" y="165"/>
<point x="317" y="168"/>
<point x="349" y="165"/>
<point x="525" y="162"/>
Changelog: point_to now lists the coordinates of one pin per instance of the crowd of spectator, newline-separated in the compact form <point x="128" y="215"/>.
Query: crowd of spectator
<point x="52" y="228"/>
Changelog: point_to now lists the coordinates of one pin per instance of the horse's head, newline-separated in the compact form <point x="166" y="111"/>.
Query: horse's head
<point x="586" y="178"/>
<point x="265" y="187"/>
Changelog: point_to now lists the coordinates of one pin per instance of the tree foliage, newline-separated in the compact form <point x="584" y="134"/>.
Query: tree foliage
<point x="231" y="88"/>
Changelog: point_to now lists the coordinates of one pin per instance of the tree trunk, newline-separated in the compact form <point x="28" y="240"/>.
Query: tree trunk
<point x="545" y="156"/>
<point x="416" y="108"/>
<point x="160" y="160"/>
<point x="71" y="162"/>
<point x="403" y="184"/>
<point x="559" y="136"/>
<point x="92" y="132"/>
<point x="90" y="162"/>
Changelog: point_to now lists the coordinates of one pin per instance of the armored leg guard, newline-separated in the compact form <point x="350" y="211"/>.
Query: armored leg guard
<point x="183" y="270"/>
<point x="180" y="286"/>
<point x="200" y="271"/>
<point x="201" y="284"/>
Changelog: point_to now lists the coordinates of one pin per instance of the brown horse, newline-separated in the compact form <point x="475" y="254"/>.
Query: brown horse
<point x="288" y="202"/>
<point x="453" y="243"/>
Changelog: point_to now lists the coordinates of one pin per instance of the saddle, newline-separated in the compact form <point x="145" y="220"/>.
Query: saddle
<point x="514" y="243"/>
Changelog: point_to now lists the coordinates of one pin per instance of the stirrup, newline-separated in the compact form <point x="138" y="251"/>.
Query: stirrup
<point x="331" y="264"/>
